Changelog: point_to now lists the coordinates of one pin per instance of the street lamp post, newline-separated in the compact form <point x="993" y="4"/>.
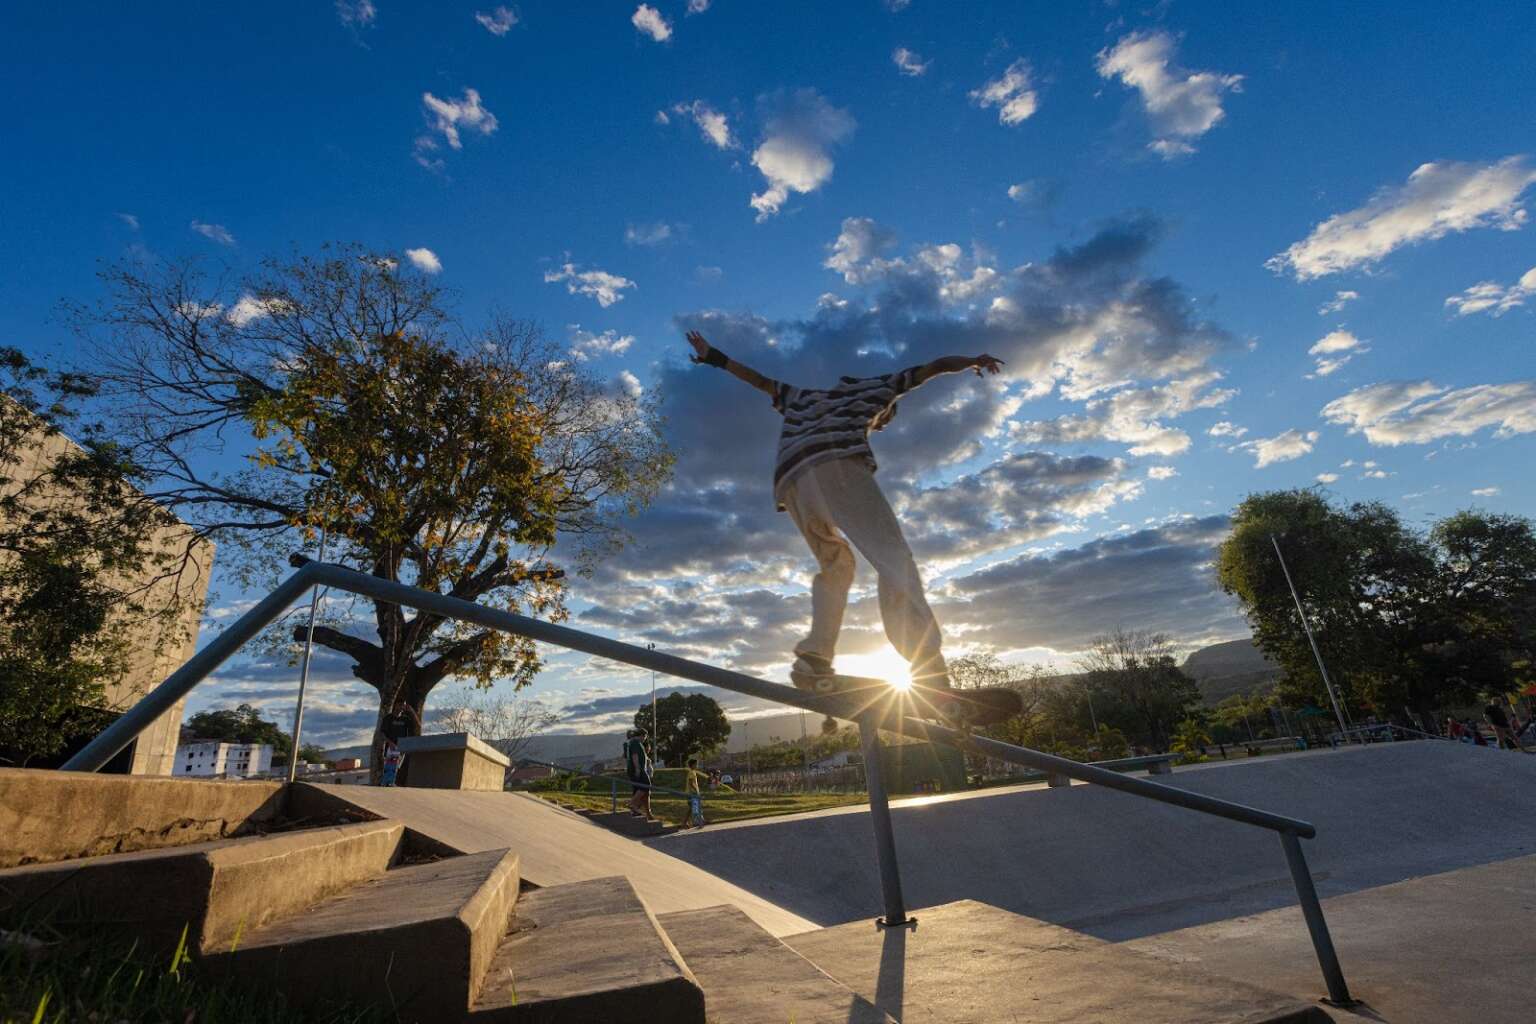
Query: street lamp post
<point x="655" y="722"/>
<point x="1338" y="712"/>
<point x="309" y="644"/>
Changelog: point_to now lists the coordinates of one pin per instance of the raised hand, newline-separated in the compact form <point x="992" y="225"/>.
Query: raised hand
<point x="700" y="346"/>
<point x="991" y="364"/>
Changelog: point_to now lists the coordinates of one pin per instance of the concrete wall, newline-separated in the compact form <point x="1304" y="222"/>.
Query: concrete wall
<point x="47" y="816"/>
<point x="149" y="660"/>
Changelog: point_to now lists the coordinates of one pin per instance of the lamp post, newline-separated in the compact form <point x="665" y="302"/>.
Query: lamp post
<point x="655" y="722"/>
<point x="1333" y="697"/>
<point x="309" y="644"/>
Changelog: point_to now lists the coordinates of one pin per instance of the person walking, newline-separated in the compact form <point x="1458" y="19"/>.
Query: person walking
<point x="825" y="479"/>
<point x="695" y="798"/>
<point x="1498" y="718"/>
<point x="636" y="769"/>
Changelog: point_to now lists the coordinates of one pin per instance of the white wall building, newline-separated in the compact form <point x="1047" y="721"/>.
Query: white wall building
<point x="213" y="759"/>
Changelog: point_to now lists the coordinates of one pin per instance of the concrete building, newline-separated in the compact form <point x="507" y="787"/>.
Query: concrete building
<point x="216" y="759"/>
<point x="151" y="658"/>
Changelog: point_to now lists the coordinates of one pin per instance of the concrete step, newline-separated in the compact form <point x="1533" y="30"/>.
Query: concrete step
<point x="588" y="951"/>
<point x="750" y="977"/>
<point x="215" y="890"/>
<point x="626" y="824"/>
<point x="416" y="941"/>
<point x="970" y="963"/>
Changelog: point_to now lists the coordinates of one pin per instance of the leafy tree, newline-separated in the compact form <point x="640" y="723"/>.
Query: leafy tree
<point x="1402" y="620"/>
<point x="689" y="725"/>
<point x="1134" y="678"/>
<point x="242" y="724"/>
<point x="312" y="754"/>
<point x="430" y="454"/>
<point x="79" y="566"/>
<point x="1189" y="740"/>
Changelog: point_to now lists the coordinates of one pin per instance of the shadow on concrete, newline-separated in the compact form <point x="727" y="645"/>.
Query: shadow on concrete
<point x="1119" y="867"/>
<point x="890" y="983"/>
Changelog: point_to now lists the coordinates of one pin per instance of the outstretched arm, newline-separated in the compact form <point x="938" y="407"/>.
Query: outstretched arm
<point x="706" y="353"/>
<point x="955" y="364"/>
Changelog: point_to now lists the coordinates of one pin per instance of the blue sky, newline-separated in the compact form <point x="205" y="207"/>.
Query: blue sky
<point x="1201" y="195"/>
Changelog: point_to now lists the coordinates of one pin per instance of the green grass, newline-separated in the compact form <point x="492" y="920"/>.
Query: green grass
<point x="49" y="979"/>
<point x="718" y="806"/>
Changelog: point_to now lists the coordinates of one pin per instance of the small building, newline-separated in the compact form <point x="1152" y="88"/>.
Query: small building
<point x="347" y="764"/>
<point x="841" y="759"/>
<point x="529" y="773"/>
<point x="217" y="759"/>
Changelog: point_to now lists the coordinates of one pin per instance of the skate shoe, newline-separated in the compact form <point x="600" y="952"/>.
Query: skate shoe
<point x="813" y="673"/>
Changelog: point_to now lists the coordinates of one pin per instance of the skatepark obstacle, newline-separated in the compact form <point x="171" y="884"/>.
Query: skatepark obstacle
<point x="892" y="713"/>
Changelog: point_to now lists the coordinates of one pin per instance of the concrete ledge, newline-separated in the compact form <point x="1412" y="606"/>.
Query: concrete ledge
<point x="588" y="951"/>
<point x="454" y="760"/>
<point x="213" y="890"/>
<point x="417" y="940"/>
<point x="50" y="816"/>
<point x="750" y="977"/>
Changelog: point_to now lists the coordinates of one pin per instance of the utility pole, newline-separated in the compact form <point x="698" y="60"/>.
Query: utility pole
<point x="309" y="643"/>
<point x="1338" y="712"/>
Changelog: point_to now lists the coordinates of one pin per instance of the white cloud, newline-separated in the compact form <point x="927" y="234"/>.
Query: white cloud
<point x="1012" y="93"/>
<point x="1438" y="199"/>
<point x="1037" y="193"/>
<point x="1335" y="349"/>
<point x="1292" y="444"/>
<point x="1490" y="295"/>
<point x="909" y="63"/>
<point x="698" y="6"/>
<point x="648" y="20"/>
<point x="1327" y="478"/>
<point x="248" y="309"/>
<point x="794" y="155"/>
<point x="714" y="126"/>
<point x="1339" y="301"/>
<point x="424" y="260"/>
<point x="217" y="232"/>
<point x="897" y="5"/>
<point x="1182" y="105"/>
<point x="498" y="22"/>
<point x="356" y="12"/>
<point x="1409" y="412"/>
<point x="586" y="346"/>
<point x="631" y="384"/>
<point x="1162" y="473"/>
<point x="130" y="220"/>
<point x="447" y="118"/>
<point x="1134" y="416"/>
<point x="606" y="288"/>
<point x="1485" y="492"/>
<point x="647" y="234"/>
<point x="856" y="254"/>
<point x="1223" y="428"/>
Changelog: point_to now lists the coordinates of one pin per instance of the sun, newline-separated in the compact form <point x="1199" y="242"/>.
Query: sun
<point x="883" y="664"/>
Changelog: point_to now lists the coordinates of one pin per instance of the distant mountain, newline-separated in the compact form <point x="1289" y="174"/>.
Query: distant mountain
<point x="1237" y="666"/>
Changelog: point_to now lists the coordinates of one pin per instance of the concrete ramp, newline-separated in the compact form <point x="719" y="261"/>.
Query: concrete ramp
<point x="554" y="846"/>
<point x="1118" y="867"/>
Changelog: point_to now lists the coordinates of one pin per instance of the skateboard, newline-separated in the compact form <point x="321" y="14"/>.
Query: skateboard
<point x="978" y="708"/>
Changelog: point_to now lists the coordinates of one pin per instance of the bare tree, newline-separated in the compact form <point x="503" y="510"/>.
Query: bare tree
<point x="1137" y="670"/>
<point x="507" y="723"/>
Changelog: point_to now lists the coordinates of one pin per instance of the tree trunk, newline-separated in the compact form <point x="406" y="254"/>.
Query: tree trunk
<point x="413" y="713"/>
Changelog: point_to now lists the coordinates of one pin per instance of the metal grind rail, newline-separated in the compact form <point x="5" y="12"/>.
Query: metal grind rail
<point x="885" y="714"/>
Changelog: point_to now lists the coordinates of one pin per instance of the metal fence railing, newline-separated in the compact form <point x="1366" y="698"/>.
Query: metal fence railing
<point x="893" y="712"/>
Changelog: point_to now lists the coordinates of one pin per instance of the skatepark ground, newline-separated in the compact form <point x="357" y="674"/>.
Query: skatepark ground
<point x="1425" y="857"/>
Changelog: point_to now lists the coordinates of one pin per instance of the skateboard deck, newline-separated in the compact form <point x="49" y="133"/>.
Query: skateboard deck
<point x="979" y="707"/>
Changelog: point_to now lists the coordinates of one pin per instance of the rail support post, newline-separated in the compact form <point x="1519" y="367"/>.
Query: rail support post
<point x="1312" y="910"/>
<point x="885" y="837"/>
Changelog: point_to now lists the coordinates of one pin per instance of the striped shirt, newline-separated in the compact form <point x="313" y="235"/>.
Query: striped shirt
<point x="821" y="424"/>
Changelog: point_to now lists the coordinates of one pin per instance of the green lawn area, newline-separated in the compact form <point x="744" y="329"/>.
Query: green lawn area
<point x="717" y="806"/>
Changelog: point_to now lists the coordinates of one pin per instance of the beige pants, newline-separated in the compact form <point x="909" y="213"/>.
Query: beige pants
<point x="838" y="502"/>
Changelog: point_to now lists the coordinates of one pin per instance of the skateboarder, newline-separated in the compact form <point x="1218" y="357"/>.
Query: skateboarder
<point x="824" y="478"/>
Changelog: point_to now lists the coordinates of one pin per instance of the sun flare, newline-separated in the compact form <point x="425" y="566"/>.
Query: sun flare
<point x="883" y="664"/>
